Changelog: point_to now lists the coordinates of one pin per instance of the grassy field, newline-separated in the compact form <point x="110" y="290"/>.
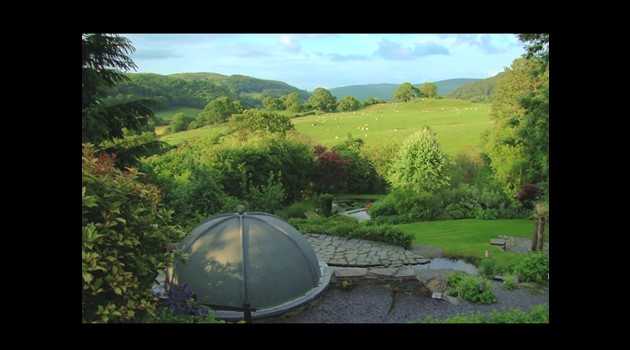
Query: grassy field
<point x="463" y="238"/>
<point x="178" y="137"/>
<point x="458" y="124"/>
<point x="168" y="114"/>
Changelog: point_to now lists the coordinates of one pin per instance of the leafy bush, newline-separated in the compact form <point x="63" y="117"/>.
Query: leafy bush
<point x="385" y="220"/>
<point x="297" y="210"/>
<point x="533" y="268"/>
<point x="509" y="283"/>
<point x="125" y="235"/>
<point x="454" y="279"/>
<point x="199" y="198"/>
<point x="528" y="194"/>
<point x="323" y="204"/>
<point x="408" y="206"/>
<point x="537" y="314"/>
<point x="361" y="173"/>
<point x="470" y="169"/>
<point x="349" y="227"/>
<point x="330" y="170"/>
<point x="255" y="158"/>
<point x="420" y="164"/>
<point x="488" y="268"/>
<point x="256" y="121"/>
<point x="476" y="289"/>
<point x="267" y="198"/>
<point x="487" y="214"/>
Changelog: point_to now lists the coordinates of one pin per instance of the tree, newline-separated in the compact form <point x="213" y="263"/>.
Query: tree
<point x="218" y="111"/>
<point x="273" y="104"/>
<point x="348" y="103"/>
<point x="180" y="122"/>
<point x="369" y="101"/>
<point x="420" y="165"/>
<point x="322" y="100"/>
<point x="537" y="46"/>
<point x="428" y="90"/>
<point x="256" y="121"/>
<point x="292" y="102"/>
<point x="104" y="57"/>
<point x="405" y="92"/>
<point x="329" y="170"/>
<point x="519" y="141"/>
<point x="362" y="176"/>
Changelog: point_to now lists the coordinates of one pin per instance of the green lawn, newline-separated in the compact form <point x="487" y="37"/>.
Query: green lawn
<point x="206" y="131"/>
<point x="471" y="238"/>
<point x="168" y="114"/>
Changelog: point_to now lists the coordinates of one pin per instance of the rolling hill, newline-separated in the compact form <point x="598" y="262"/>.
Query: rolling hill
<point x="385" y="90"/>
<point x="195" y="90"/>
<point x="478" y="91"/>
<point x="458" y="124"/>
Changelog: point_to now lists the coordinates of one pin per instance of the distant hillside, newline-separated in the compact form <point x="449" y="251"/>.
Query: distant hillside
<point x="385" y="91"/>
<point x="446" y="86"/>
<point x="478" y="91"/>
<point x="195" y="90"/>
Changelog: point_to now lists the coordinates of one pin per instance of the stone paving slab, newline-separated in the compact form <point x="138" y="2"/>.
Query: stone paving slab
<point x="338" y="251"/>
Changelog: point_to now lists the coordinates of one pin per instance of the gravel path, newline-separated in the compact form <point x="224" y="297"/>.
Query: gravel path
<point x="378" y="304"/>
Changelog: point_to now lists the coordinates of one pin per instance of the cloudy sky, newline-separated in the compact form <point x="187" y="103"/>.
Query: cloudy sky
<point x="308" y="61"/>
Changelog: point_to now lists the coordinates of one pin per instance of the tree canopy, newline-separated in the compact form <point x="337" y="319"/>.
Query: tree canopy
<point x="322" y="100"/>
<point x="103" y="59"/>
<point x="537" y="46"/>
<point x="405" y="92"/>
<point x="218" y="111"/>
<point x="519" y="141"/>
<point x="292" y="102"/>
<point x="420" y="164"/>
<point x="348" y="103"/>
<point x="428" y="90"/>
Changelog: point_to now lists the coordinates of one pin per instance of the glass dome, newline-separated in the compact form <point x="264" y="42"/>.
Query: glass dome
<point x="250" y="260"/>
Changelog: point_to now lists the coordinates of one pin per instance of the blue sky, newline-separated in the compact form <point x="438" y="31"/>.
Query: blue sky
<point x="308" y="61"/>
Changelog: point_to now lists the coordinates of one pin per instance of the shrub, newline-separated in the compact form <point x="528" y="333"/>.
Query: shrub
<point x="323" y="204"/>
<point x="476" y="289"/>
<point x="534" y="268"/>
<point x="349" y="227"/>
<point x="420" y="164"/>
<point x="385" y="220"/>
<point x="509" y="283"/>
<point x="297" y="210"/>
<point x="537" y="314"/>
<point x="267" y="198"/>
<point x="125" y="235"/>
<point x="454" y="279"/>
<point x="255" y="158"/>
<point x="409" y="206"/>
<point x="329" y="171"/>
<point x="198" y="198"/>
<point x="255" y="121"/>
<point x="180" y="122"/>
<point x="487" y="214"/>
<point x="361" y="173"/>
<point x="488" y="268"/>
<point x="528" y="194"/>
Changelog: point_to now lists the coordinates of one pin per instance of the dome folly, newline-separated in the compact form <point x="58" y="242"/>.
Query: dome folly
<point x="253" y="262"/>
